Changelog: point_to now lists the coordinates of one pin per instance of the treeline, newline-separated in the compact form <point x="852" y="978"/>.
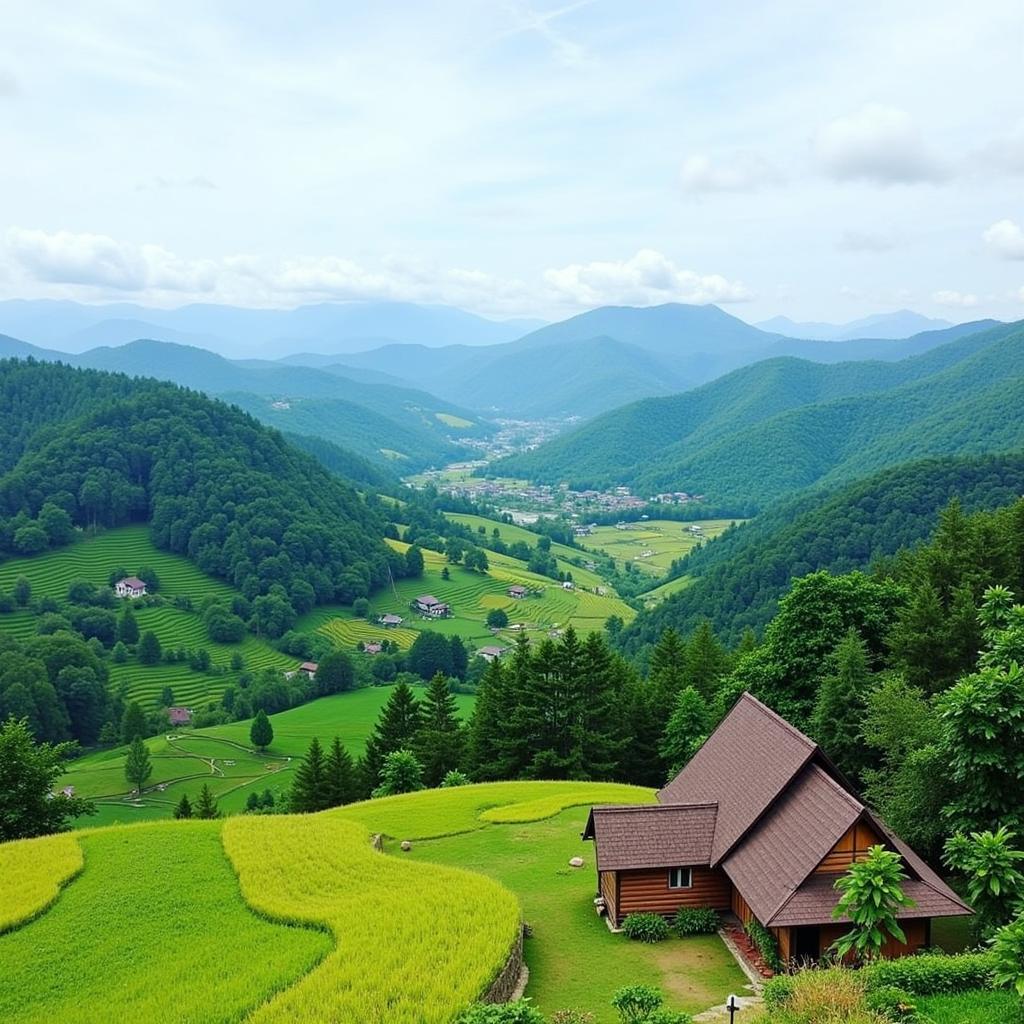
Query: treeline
<point x="218" y="487"/>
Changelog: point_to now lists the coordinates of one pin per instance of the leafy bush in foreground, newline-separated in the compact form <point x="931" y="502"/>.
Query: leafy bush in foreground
<point x="645" y="927"/>
<point x="641" y="1004"/>
<point x="518" y="1012"/>
<point x="893" y="1003"/>
<point x="932" y="973"/>
<point x="695" y="921"/>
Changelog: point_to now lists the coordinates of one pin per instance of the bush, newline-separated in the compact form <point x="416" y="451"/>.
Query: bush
<point x="636" y="1003"/>
<point x="932" y="973"/>
<point x="695" y="921"/>
<point x="778" y="991"/>
<point x="821" y="996"/>
<point x="645" y="927"/>
<point x="766" y="944"/>
<point x="518" y="1012"/>
<point x="893" y="1003"/>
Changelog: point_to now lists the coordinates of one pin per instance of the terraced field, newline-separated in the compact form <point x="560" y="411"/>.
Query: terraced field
<point x="652" y="546"/>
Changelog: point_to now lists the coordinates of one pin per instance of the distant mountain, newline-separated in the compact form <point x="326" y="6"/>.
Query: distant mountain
<point x="901" y="324"/>
<point x="779" y="426"/>
<point x="330" y="326"/>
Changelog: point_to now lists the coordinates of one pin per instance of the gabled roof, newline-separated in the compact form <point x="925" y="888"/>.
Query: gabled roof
<point x="651" y="835"/>
<point x="134" y="582"/>
<point x="743" y="766"/>
<point x="786" y="845"/>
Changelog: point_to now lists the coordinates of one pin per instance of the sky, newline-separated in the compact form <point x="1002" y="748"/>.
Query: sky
<point x="814" y="159"/>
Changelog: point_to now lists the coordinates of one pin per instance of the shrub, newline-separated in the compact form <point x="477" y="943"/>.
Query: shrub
<point x="572" y="1017"/>
<point x="1008" y="956"/>
<point x="645" y="927"/>
<point x="695" y="921"/>
<point x="932" y="973"/>
<point x="663" y="1016"/>
<point x="636" y="1003"/>
<point x="893" y="1003"/>
<point x="778" y="991"/>
<point x="518" y="1012"/>
<point x="827" y="996"/>
<point x="766" y="944"/>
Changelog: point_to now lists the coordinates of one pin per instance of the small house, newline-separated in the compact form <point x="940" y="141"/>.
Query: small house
<point x="491" y="653"/>
<point x="309" y="667"/>
<point x="759" y="822"/>
<point x="130" y="586"/>
<point x="517" y="591"/>
<point x="68" y="791"/>
<point x="179" y="716"/>
<point x="391" y="621"/>
<point x="372" y="647"/>
<point x="427" y="604"/>
<point x="568" y="585"/>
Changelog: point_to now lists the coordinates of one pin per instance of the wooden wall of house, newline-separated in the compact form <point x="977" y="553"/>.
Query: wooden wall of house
<point x="608" y="884"/>
<point x="783" y="938"/>
<point x="647" y="890"/>
<point x="739" y="907"/>
<point x="853" y="846"/>
<point x="916" y="932"/>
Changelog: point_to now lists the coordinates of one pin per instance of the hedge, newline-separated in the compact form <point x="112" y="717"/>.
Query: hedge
<point x="931" y="974"/>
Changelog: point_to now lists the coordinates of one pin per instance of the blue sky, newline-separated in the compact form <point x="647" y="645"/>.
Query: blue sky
<point x="814" y="159"/>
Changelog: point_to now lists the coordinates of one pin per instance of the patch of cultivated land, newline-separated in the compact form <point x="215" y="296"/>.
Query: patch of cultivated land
<point x="222" y="758"/>
<point x="276" y="919"/>
<point x="653" y="546"/>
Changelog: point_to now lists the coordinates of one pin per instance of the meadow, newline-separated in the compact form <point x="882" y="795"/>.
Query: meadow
<point x="652" y="546"/>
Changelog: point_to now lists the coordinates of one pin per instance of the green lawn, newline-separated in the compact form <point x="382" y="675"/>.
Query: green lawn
<point x="154" y="929"/>
<point x="574" y="960"/>
<point x="980" y="1007"/>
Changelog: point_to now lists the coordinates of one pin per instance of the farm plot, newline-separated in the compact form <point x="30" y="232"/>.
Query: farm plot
<point x="652" y="546"/>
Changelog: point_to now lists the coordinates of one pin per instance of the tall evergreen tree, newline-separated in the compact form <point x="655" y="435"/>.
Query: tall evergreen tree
<point x="486" y="756"/>
<point x="184" y="808"/>
<point x="137" y="766"/>
<point x="640" y="761"/>
<point x="706" y="660"/>
<point x="439" y="742"/>
<point x="128" y="627"/>
<point x="133" y="722"/>
<point x="206" y="806"/>
<point x="840" y="706"/>
<point x="339" y="776"/>
<point x="667" y="671"/>
<point x="687" y="728"/>
<point x="310" y="788"/>
<point x="149" y="648"/>
<point x="261" y="732"/>
<point x="396" y="728"/>
<point x="460" y="657"/>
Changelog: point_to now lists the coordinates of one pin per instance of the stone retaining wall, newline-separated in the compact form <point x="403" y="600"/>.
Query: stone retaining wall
<point x="504" y="986"/>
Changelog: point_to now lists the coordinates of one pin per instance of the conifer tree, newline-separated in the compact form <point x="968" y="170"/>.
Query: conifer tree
<point x="133" y="722"/>
<point x="667" y="672"/>
<point x="486" y="743"/>
<point x="149" y="648"/>
<point x="839" y="708"/>
<point x="339" y="775"/>
<point x="396" y="727"/>
<point x="706" y="660"/>
<point x="640" y="761"/>
<point x="310" y="790"/>
<point x="687" y="728"/>
<point x="439" y="742"/>
<point x="184" y="808"/>
<point x="128" y="628"/>
<point x="206" y="806"/>
<point x="137" y="766"/>
<point x="261" y="732"/>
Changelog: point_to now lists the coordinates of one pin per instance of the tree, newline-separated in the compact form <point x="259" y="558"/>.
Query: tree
<point x="396" y="727"/>
<point x="339" y="776"/>
<point x="128" y="627"/>
<point x="335" y="674"/>
<point x="206" y="806"/>
<point x="184" y="808"/>
<point x="401" y="773"/>
<point x="871" y="895"/>
<point x="30" y="540"/>
<point x="149" y="648"/>
<point x="166" y="697"/>
<point x="430" y="653"/>
<point x="445" y="574"/>
<point x="706" y="660"/>
<point x="133" y="722"/>
<point x="28" y="774"/>
<point x="261" y="732"/>
<point x="22" y="591"/>
<point x="460" y="657"/>
<point x="360" y="608"/>
<point x="439" y="742"/>
<point x="497" y="618"/>
<point x="310" y="789"/>
<point x="454" y="778"/>
<point x="137" y="766"/>
<point x="839" y="707"/>
<point x="1008" y="953"/>
<point x="414" y="561"/>
<point x="686" y="730"/>
<point x="995" y="884"/>
<point x="667" y="673"/>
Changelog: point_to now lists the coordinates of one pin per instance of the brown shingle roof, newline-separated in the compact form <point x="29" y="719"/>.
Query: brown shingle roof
<point x="770" y="863"/>
<point x="813" y="902"/>
<point x="651" y="836"/>
<point x="743" y="766"/>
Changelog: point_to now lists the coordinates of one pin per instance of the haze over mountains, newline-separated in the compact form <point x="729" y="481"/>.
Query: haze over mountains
<point x="901" y="324"/>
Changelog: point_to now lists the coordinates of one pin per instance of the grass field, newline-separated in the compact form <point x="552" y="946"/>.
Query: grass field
<point x="34" y="872"/>
<point x="652" y="546"/>
<point x="979" y="1007"/>
<point x="656" y="594"/>
<point x="221" y="757"/>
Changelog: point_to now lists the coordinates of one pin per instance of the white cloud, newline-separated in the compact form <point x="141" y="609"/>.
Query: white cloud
<point x="948" y="297"/>
<point x="8" y="85"/>
<point x="1006" y="239"/>
<point x="743" y="171"/>
<point x="647" y="279"/>
<point x="877" y="144"/>
<point x="864" y="241"/>
<point x="1005" y="153"/>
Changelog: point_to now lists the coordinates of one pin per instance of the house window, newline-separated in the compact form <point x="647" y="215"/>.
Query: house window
<point x="680" y="878"/>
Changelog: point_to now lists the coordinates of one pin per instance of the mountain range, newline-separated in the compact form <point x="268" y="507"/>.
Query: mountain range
<point x="902" y="324"/>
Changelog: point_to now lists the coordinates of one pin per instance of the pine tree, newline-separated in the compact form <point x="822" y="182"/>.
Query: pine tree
<point x="133" y="722"/>
<point x="206" y="806"/>
<point x="640" y="761"/>
<point x="667" y="672"/>
<point x="687" y="728"/>
<point x="309" y="791"/>
<point x="184" y="808"/>
<point x="137" y="766"/>
<point x="706" y="660"/>
<point x="396" y="727"/>
<point x="839" y="708"/>
<point x="597" y="728"/>
<point x="261" y="732"/>
<point x="339" y="776"/>
<point x="439" y="742"/>
<point x="460" y="657"/>
<point x="486" y="735"/>
<point x="149" y="648"/>
<point x="128" y="628"/>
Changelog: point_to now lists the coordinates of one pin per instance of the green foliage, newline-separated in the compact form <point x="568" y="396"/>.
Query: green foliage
<point x="695" y="921"/>
<point x="520" y="1011"/>
<point x="777" y="991"/>
<point x="396" y="728"/>
<point x="133" y="722"/>
<point x="340" y="785"/>
<point x="261" y="732"/>
<point x="687" y="728"/>
<point x="206" y="805"/>
<point x="28" y="775"/>
<point x="1008" y="955"/>
<point x="310" y="788"/>
<point x="870" y="894"/>
<point x="839" y="706"/>
<point x="497" y="618"/>
<point x="931" y="973"/>
<point x="335" y="674"/>
<point x="400" y="773"/>
<point x="439" y="741"/>
<point x="642" y="1004"/>
<point x="893" y="1004"/>
<point x="137" y="766"/>
<point x="765" y="942"/>
<point x="183" y="808"/>
<point x="995" y="885"/>
<point x="454" y="778"/>
<point x="149" y="648"/>
<point x="644" y="927"/>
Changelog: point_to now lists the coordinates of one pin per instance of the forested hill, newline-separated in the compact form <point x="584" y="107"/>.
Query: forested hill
<point x="217" y="486"/>
<point x="739" y="578"/>
<point x="773" y="428"/>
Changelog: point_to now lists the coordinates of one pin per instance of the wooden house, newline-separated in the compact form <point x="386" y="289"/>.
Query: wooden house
<point x="427" y="604"/>
<point x="491" y="653"/>
<point x="179" y="716"/>
<point x="759" y="823"/>
<point x="390" y="620"/>
<point x="130" y="586"/>
<point x="517" y="591"/>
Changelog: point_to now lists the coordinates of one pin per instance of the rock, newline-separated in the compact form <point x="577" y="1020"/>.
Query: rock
<point x="576" y="862"/>
<point x="406" y="845"/>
